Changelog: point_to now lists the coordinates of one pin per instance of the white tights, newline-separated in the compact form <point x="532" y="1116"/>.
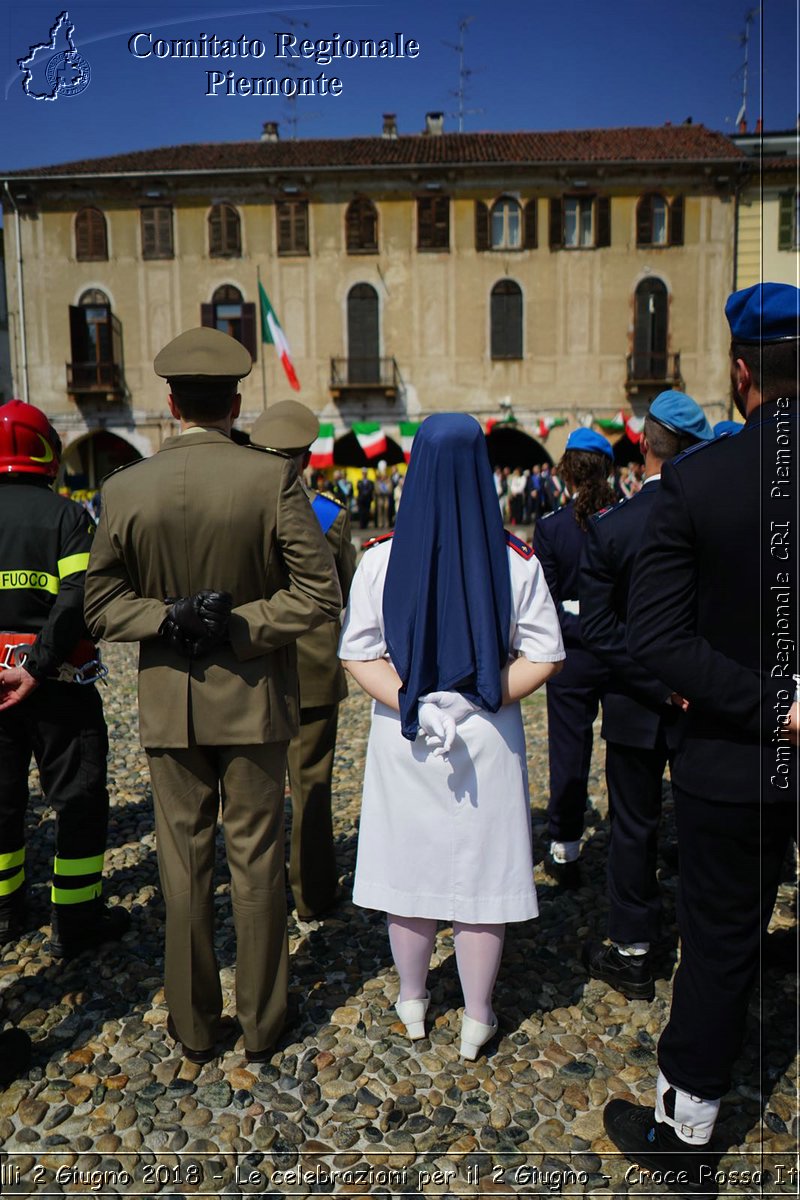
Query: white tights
<point x="479" y="949"/>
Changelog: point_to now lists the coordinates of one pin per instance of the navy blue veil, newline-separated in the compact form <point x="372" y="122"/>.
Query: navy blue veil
<point x="447" y="596"/>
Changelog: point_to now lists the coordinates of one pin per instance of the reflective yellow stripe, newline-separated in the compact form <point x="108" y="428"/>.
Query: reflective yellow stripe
<point x="40" y="581"/>
<point x="7" y="886"/>
<point x="72" y="564"/>
<point x="15" y="859"/>
<point x="78" y="866"/>
<point x="75" y="895"/>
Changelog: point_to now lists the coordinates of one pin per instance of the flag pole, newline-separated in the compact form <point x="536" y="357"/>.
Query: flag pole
<point x="261" y="339"/>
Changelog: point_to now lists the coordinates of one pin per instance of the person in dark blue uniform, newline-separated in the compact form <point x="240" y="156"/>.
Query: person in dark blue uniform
<point x="713" y="612"/>
<point x="573" y="697"/>
<point x="640" y="713"/>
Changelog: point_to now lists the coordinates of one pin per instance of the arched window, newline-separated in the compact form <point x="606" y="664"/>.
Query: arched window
<point x="650" y="330"/>
<point x="652" y="221"/>
<point x="229" y="313"/>
<point x="361" y="226"/>
<point x="363" y="335"/>
<point x="506" y="224"/>
<point x="224" y="232"/>
<point x="506" y="320"/>
<point x="96" y="345"/>
<point x="91" y="236"/>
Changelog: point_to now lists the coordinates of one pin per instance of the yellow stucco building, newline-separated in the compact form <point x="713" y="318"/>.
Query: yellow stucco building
<point x="556" y="275"/>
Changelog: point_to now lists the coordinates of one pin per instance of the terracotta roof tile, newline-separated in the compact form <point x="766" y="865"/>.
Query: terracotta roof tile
<point x="665" y="143"/>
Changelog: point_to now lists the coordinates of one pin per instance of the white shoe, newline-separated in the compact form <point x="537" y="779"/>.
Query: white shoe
<point x="475" y="1034"/>
<point x="412" y="1014"/>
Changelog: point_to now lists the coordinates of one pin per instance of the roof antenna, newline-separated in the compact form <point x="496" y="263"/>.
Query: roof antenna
<point x="464" y="74"/>
<point x="744" y="40"/>
<point x="292" y="117"/>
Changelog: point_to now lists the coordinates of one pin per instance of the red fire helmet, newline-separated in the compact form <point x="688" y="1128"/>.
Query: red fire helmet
<point x="28" y="443"/>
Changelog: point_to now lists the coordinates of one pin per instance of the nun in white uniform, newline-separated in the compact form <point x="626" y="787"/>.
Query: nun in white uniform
<point x="449" y="625"/>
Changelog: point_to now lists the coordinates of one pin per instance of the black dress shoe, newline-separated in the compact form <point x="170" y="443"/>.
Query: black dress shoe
<point x="566" y="875"/>
<point x="627" y="973"/>
<point x="15" y="1055"/>
<point x="73" y="933"/>
<point x="655" y="1146"/>
<point x="196" y="1056"/>
<point x="259" y="1056"/>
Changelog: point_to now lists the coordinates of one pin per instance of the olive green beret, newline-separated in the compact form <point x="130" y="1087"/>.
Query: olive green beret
<point x="203" y="353"/>
<point x="286" y="425"/>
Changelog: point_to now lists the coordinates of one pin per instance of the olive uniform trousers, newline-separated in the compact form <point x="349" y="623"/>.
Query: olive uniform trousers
<point x="313" y="874"/>
<point x="188" y="787"/>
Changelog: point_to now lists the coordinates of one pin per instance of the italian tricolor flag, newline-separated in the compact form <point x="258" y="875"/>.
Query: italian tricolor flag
<point x="407" y="431"/>
<point x="548" y="423"/>
<point x="613" y="424"/>
<point x="370" y="438"/>
<point x="322" y="448"/>
<point x="633" y="427"/>
<point x="273" y="335"/>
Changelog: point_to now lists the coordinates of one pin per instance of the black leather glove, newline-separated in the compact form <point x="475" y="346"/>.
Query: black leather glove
<point x="195" y="625"/>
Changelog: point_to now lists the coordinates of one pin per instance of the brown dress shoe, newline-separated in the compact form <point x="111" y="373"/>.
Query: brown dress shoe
<point x="196" y="1056"/>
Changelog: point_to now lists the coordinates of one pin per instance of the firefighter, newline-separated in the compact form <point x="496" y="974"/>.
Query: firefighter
<point x="46" y="708"/>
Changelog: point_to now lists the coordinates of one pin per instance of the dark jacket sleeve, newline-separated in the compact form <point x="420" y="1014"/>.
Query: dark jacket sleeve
<point x="662" y="625"/>
<point x="544" y="551"/>
<point x="602" y="629"/>
<point x="65" y="624"/>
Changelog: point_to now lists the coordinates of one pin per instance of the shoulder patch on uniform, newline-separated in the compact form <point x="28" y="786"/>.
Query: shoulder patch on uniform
<point x="125" y="467"/>
<point x="265" y="450"/>
<point x="694" y="449"/>
<point x="609" y="508"/>
<point x="376" y="541"/>
<point x="517" y="544"/>
<point x="329" y="496"/>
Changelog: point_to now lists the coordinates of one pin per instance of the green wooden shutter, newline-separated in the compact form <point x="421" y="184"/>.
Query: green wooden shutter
<point x="481" y="225"/>
<point x="529" y="241"/>
<point x="556" y="223"/>
<point x="785" y="215"/>
<point x="603" y="217"/>
<point x="676" y="221"/>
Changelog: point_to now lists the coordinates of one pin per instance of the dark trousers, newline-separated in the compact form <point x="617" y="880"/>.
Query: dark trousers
<point x="188" y="788"/>
<point x="634" y="778"/>
<point x="731" y="857"/>
<point x="312" y="862"/>
<point x="570" y="713"/>
<point x="61" y="726"/>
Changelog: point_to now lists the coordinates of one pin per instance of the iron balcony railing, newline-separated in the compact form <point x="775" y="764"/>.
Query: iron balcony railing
<point x="647" y="367"/>
<point x="94" y="377"/>
<point x="378" y="374"/>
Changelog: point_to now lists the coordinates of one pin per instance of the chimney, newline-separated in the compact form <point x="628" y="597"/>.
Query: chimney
<point x="759" y="126"/>
<point x="270" y="131"/>
<point x="743" y="126"/>
<point x="389" y="125"/>
<point x="434" y="124"/>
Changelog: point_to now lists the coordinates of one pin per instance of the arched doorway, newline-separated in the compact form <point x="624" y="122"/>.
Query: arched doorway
<point x="87" y="461"/>
<point x="650" y="330"/>
<point x="513" y="448"/>
<point x="363" y="335"/>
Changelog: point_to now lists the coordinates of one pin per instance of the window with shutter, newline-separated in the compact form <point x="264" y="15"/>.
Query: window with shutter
<point x="224" y="232"/>
<point x="676" y="221"/>
<point x="506" y="320"/>
<point x="433" y="223"/>
<point x="651" y="221"/>
<point x="292" y="219"/>
<point x="91" y="240"/>
<point x="156" y="222"/>
<point x="481" y="225"/>
<point x="787" y="220"/>
<point x="530" y="241"/>
<point x="361" y="226"/>
<point x="506" y="224"/>
<point x="228" y="313"/>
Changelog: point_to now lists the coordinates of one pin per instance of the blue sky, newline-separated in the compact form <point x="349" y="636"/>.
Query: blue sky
<point x="535" y="65"/>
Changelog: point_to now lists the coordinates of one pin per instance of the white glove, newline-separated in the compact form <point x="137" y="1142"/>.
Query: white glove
<point x="437" y="727"/>
<point x="453" y="703"/>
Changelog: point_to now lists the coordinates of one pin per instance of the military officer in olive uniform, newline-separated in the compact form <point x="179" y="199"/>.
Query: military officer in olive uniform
<point x="209" y="555"/>
<point x="291" y="427"/>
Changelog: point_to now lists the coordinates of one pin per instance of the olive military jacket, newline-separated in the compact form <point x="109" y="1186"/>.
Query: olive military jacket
<point x="206" y="513"/>
<point x="322" y="678"/>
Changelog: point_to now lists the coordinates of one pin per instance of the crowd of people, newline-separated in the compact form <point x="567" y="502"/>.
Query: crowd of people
<point x="216" y="558"/>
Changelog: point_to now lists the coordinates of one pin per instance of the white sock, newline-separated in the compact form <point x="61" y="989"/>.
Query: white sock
<point x="691" y="1117"/>
<point x="632" y="949"/>
<point x="565" y="852"/>
<point x="411" y="940"/>
<point x="479" y="949"/>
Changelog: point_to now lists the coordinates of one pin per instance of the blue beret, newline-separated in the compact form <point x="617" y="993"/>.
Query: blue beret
<point x="765" y="312"/>
<point x="587" y="439"/>
<point x="681" y="414"/>
<point x="722" y="427"/>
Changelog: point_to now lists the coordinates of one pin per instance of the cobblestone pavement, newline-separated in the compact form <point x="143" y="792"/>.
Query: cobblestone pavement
<point x="347" y="1104"/>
